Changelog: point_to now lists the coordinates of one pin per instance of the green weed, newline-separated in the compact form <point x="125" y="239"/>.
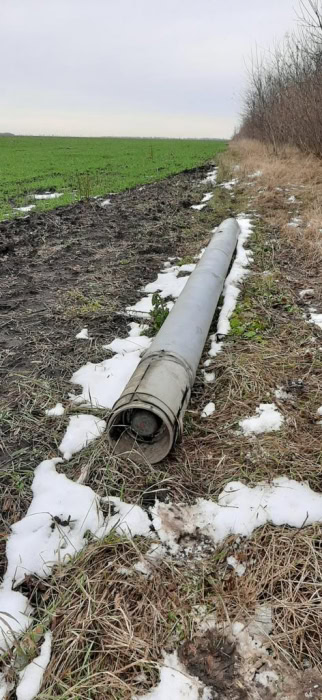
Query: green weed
<point x="158" y="314"/>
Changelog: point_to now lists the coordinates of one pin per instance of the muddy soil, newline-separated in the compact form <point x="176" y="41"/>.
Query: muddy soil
<point x="105" y="254"/>
<point x="79" y="266"/>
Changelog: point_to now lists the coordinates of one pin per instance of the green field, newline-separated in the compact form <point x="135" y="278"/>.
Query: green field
<point x="84" y="167"/>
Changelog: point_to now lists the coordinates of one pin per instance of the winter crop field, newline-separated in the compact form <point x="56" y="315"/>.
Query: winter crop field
<point x="58" y="171"/>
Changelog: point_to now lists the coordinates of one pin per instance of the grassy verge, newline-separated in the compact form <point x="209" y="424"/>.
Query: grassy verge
<point x="109" y="628"/>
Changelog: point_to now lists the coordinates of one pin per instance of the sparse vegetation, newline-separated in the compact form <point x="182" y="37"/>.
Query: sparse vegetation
<point x="158" y="314"/>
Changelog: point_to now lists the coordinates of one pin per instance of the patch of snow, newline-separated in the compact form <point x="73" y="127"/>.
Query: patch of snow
<point x="239" y="510"/>
<point x="211" y="177"/>
<point x="229" y="185"/>
<point x="105" y="203"/>
<point x="15" y="614"/>
<point x="102" y="383"/>
<point x="142" y="308"/>
<point x="295" y="222"/>
<point x="53" y="530"/>
<point x="58" y="410"/>
<point x="83" y="334"/>
<point x="215" y="347"/>
<point x="207" y="197"/>
<point x="267" y="420"/>
<point x="168" y="284"/>
<point x="237" y="273"/>
<point x="137" y="329"/>
<point x="316" y="319"/>
<point x="48" y="195"/>
<point x="31" y="677"/>
<point x="257" y="173"/>
<point x="124" y="345"/>
<point x="29" y="207"/>
<point x="292" y="199"/>
<point x="306" y="292"/>
<point x="208" y="410"/>
<point x="176" y="682"/>
<point x="282" y="395"/>
<point x="266" y="678"/>
<point x="198" y="207"/>
<point x="209" y="376"/>
<point x="319" y="411"/>
<point x="81" y="431"/>
<point x="199" y="256"/>
<point x="207" y="363"/>
<point x="128" y="519"/>
<point x="189" y="267"/>
<point x="236" y="565"/>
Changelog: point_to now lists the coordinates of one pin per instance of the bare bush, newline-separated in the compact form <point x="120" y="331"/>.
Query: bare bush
<point x="283" y="102"/>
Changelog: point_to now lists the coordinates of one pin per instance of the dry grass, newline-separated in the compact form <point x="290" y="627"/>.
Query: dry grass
<point x="290" y="173"/>
<point x="283" y="570"/>
<point x="109" y="627"/>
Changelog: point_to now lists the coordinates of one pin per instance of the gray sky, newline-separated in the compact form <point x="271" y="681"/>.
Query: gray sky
<point x="131" y="67"/>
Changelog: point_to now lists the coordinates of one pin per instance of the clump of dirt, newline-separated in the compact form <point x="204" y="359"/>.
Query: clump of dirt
<point x="214" y="659"/>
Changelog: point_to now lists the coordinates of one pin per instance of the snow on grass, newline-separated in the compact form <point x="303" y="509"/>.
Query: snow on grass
<point x="53" y="529"/>
<point x="29" y="207"/>
<point x="103" y="383"/>
<point x="295" y="222"/>
<point x="253" y="665"/>
<point x="319" y="411"/>
<point x="211" y="177"/>
<point x="306" y="292"/>
<point x="136" y="340"/>
<point x="83" y="334"/>
<point x="215" y="346"/>
<point x="124" y="345"/>
<point x="236" y="565"/>
<point x="257" y="173"/>
<point x="208" y="410"/>
<point x="57" y="410"/>
<point x="176" y="682"/>
<point x="209" y="377"/>
<point x="168" y="284"/>
<point x="81" y="431"/>
<point x="142" y="308"/>
<point x="198" y="207"/>
<point x="105" y="203"/>
<point x="240" y="510"/>
<point x="237" y="274"/>
<point x="48" y="195"/>
<point x="128" y="519"/>
<point x="31" y="677"/>
<point x="281" y="394"/>
<point x="229" y="185"/>
<point x="15" y="616"/>
<point x="316" y="319"/>
<point x="207" y="197"/>
<point x="188" y="267"/>
<point x="267" y="420"/>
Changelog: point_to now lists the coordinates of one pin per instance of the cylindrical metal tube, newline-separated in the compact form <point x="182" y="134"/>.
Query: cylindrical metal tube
<point x="147" y="419"/>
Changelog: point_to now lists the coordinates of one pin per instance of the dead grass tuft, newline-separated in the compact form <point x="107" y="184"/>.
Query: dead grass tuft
<point x="283" y="570"/>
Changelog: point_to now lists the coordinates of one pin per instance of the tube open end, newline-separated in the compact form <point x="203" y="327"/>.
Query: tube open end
<point x="142" y="433"/>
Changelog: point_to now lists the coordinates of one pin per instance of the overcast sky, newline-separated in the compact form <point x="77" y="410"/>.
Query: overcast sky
<point x="131" y="67"/>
